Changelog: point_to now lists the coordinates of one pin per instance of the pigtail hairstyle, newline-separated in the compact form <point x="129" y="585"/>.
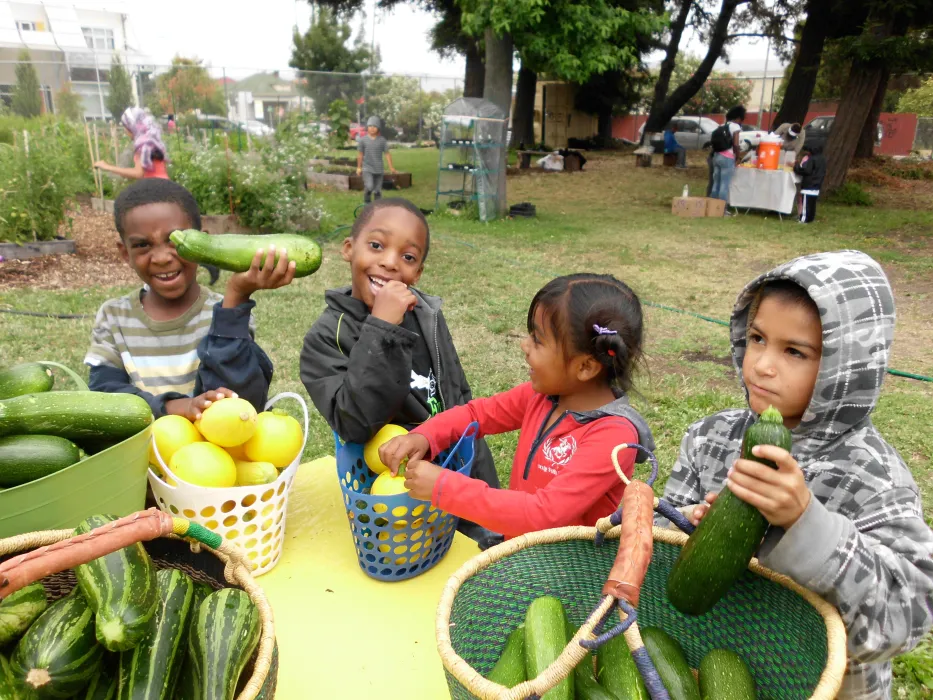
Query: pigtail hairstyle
<point x="597" y="315"/>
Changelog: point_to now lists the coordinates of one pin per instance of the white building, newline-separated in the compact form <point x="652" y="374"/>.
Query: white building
<point x="69" y="41"/>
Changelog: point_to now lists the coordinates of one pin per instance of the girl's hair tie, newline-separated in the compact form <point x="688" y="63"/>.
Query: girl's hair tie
<point x="604" y="331"/>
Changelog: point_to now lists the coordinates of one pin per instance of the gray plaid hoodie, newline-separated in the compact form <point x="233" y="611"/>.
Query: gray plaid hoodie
<point x="862" y="543"/>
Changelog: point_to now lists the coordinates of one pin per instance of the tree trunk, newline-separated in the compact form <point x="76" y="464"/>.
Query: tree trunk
<point x="475" y="74"/>
<point x="497" y="88"/>
<point x="802" y="81"/>
<point x="523" y="121"/>
<point x="604" y="125"/>
<point x="854" y="108"/>
<point x="866" y="142"/>
<point x="670" y="58"/>
<point x="662" y="113"/>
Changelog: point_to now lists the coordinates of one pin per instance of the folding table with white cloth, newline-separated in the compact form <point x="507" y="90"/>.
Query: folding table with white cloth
<point x="772" y="190"/>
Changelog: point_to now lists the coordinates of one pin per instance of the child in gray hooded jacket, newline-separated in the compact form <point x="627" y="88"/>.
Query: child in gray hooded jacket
<point x="371" y="148"/>
<point x="812" y="338"/>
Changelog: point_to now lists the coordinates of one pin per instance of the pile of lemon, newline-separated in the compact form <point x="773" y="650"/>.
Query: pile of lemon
<point x="385" y="484"/>
<point x="230" y="445"/>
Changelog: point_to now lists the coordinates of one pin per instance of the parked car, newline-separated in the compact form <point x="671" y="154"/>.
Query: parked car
<point x="255" y="127"/>
<point x="817" y="131"/>
<point x="212" y="121"/>
<point x="692" y="133"/>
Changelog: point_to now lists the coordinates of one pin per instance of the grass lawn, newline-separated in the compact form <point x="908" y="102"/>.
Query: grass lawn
<point x="610" y="218"/>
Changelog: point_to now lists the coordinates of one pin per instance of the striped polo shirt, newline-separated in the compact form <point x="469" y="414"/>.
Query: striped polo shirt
<point x="158" y="356"/>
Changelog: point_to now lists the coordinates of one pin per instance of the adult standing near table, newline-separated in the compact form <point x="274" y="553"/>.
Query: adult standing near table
<point x="149" y="153"/>
<point x="724" y="143"/>
<point x="792" y="138"/>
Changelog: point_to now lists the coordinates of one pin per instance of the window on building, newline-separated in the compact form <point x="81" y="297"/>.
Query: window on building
<point x="25" y="26"/>
<point x="99" y="39"/>
<point x="6" y="96"/>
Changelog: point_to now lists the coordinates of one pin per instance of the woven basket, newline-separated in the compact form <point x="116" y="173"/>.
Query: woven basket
<point x="49" y="556"/>
<point x="792" y="640"/>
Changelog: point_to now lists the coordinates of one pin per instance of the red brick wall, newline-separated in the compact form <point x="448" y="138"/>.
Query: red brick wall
<point x="897" y="139"/>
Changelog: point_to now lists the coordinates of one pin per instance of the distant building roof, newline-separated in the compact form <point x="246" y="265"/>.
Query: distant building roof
<point x="264" y="84"/>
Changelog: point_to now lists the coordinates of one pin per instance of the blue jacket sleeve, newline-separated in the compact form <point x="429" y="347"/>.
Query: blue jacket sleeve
<point x="230" y="357"/>
<point x="113" y="380"/>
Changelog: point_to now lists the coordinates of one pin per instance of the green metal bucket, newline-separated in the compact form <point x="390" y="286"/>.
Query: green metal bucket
<point x="113" y="482"/>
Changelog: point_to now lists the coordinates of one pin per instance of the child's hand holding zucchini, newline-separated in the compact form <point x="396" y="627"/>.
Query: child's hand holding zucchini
<point x="265" y="272"/>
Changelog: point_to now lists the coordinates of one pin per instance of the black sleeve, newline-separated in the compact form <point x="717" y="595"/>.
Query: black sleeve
<point x="805" y="168"/>
<point x="359" y="392"/>
<point x="230" y="358"/>
<point x="116" y="381"/>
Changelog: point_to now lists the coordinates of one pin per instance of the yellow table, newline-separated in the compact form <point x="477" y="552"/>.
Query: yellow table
<point x="342" y="634"/>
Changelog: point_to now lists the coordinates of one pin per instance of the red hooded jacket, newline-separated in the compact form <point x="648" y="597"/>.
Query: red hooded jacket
<point x="560" y="476"/>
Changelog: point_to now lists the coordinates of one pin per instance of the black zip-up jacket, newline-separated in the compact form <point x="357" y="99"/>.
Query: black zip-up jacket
<point x="813" y="170"/>
<point x="357" y="370"/>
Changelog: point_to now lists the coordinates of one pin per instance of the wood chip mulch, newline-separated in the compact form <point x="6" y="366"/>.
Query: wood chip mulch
<point x="97" y="262"/>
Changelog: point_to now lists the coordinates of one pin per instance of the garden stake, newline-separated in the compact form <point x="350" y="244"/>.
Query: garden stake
<point x="90" y="152"/>
<point x="229" y="184"/>
<point x="100" y="181"/>
<point x="32" y="221"/>
<point x="113" y="140"/>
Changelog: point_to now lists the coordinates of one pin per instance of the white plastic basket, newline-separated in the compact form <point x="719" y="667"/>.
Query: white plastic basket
<point x="252" y="517"/>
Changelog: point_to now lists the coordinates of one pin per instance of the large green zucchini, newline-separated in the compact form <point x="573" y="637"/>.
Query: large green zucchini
<point x="27" y="378"/>
<point x="58" y="656"/>
<point x="235" y="252"/>
<point x="510" y="668"/>
<point x="671" y="664"/>
<point x="7" y="690"/>
<point x="719" y="550"/>
<point x="76" y="415"/>
<point x="25" y="458"/>
<point x="545" y="639"/>
<point x="149" y="670"/>
<point x="725" y="676"/>
<point x="616" y="671"/>
<point x="121" y="588"/>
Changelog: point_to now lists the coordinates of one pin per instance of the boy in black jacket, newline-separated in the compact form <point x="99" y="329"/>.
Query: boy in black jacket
<point x="812" y="168"/>
<point x="381" y="352"/>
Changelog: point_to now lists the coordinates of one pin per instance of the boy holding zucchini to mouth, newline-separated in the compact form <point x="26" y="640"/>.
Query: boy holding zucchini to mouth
<point x="178" y="345"/>
<point x="812" y="338"/>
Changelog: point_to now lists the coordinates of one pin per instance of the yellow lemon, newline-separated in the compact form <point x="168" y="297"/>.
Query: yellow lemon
<point x="255" y="473"/>
<point x="277" y="440"/>
<point x="388" y="485"/>
<point x="204" y="464"/>
<point x="171" y="433"/>
<point x="371" y="448"/>
<point x="228" y="422"/>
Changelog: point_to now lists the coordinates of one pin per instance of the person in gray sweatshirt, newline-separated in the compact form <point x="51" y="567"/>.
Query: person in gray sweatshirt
<point x="812" y="338"/>
<point x="371" y="148"/>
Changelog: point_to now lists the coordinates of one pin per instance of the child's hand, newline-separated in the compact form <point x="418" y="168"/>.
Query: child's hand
<point x="263" y="273"/>
<point x="392" y="301"/>
<point x="411" y="447"/>
<point x="701" y="509"/>
<point x="780" y="494"/>
<point x="192" y="408"/>
<point x="393" y="171"/>
<point x="420" y="477"/>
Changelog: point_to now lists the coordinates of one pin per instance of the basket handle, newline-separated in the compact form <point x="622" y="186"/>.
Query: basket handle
<point x="304" y="409"/>
<point x="20" y="571"/>
<point x="81" y="384"/>
<point x="469" y="434"/>
<point x="635" y="544"/>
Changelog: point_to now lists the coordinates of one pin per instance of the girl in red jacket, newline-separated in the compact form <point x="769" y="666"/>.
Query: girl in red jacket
<point x="584" y="339"/>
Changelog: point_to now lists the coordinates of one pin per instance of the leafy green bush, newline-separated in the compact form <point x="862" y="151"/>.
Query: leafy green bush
<point x="851" y="195"/>
<point x="35" y="188"/>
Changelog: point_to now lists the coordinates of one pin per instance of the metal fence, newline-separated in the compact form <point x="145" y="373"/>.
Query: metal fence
<point x="225" y="98"/>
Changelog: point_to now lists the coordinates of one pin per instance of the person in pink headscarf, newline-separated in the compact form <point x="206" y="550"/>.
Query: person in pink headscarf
<point x="149" y="152"/>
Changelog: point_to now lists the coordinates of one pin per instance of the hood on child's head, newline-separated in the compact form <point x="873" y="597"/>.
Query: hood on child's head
<point x="856" y="306"/>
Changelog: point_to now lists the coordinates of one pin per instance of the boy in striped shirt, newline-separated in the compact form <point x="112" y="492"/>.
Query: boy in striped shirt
<point x="174" y="343"/>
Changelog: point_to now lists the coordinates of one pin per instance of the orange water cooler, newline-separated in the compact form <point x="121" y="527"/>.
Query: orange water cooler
<point x="769" y="154"/>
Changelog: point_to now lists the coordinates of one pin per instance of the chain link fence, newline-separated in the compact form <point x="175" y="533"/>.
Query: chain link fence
<point x="250" y="102"/>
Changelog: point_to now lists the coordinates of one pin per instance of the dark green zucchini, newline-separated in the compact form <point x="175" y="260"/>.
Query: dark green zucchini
<point x="76" y="415"/>
<point x="510" y="668"/>
<point x="25" y="458"/>
<point x="27" y="378"/>
<point x="725" y="676"/>
<point x="616" y="671"/>
<point x="671" y="664"/>
<point x="545" y="639"/>
<point x="7" y="690"/>
<point x="104" y="685"/>
<point x="719" y="550"/>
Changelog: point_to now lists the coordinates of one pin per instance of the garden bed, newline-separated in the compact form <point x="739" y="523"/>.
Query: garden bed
<point x="16" y="251"/>
<point x="341" y="180"/>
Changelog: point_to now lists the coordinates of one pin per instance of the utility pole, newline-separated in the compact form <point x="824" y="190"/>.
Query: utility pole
<point x="764" y="80"/>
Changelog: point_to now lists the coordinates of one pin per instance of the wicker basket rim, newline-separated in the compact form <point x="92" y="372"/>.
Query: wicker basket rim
<point x="234" y="571"/>
<point x="827" y="688"/>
